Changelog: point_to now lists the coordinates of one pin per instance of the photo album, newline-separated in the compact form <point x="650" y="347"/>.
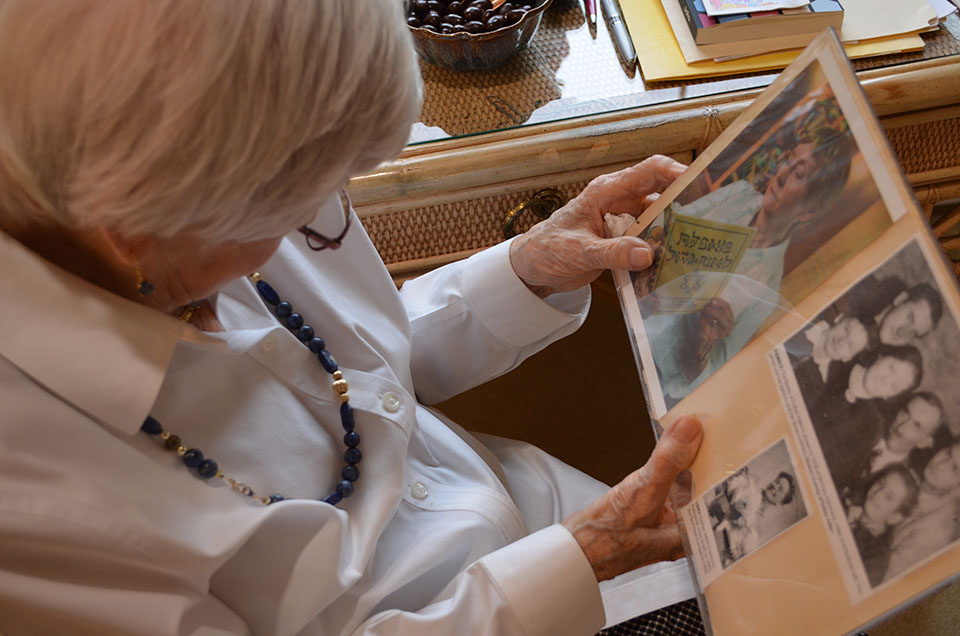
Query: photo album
<point x="800" y="306"/>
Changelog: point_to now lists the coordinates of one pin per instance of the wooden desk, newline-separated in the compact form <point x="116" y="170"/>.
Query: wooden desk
<point x="447" y="194"/>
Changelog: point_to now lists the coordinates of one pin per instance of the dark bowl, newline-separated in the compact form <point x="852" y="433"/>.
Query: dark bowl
<point x="478" y="51"/>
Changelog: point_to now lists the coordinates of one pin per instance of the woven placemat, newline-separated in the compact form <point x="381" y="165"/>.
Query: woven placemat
<point x="462" y="103"/>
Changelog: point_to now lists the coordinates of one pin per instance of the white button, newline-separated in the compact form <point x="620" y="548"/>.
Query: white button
<point x="419" y="490"/>
<point x="267" y="345"/>
<point x="391" y="403"/>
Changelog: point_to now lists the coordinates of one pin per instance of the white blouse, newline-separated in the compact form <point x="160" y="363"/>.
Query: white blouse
<point x="102" y="530"/>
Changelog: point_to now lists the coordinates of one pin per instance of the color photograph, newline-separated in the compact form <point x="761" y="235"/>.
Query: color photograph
<point x="774" y="213"/>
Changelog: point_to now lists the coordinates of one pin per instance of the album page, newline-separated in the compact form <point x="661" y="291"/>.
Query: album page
<point x="799" y="305"/>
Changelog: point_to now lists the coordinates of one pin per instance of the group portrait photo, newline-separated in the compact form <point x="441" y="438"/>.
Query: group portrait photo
<point x="877" y="370"/>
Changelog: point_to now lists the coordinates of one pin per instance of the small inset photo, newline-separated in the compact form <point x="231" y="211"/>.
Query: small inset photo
<point x="747" y="509"/>
<point x="755" y="504"/>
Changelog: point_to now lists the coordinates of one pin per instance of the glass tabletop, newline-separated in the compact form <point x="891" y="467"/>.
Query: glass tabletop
<point x="568" y="72"/>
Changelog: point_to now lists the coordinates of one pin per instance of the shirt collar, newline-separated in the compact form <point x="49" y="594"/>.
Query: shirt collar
<point x="105" y="355"/>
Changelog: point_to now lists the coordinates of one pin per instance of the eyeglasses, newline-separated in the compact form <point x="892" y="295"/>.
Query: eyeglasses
<point x="317" y="241"/>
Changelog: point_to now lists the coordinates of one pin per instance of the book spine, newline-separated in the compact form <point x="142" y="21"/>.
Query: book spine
<point x="690" y="15"/>
<point x="733" y="17"/>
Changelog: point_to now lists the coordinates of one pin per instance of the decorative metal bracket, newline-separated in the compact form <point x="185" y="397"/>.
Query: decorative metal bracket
<point x="542" y="204"/>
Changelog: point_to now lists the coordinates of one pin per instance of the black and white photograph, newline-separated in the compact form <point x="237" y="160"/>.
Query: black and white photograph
<point x="877" y="372"/>
<point x="755" y="504"/>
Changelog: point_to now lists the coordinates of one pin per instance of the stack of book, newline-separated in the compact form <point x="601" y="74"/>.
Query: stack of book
<point x="715" y="31"/>
<point x="727" y="27"/>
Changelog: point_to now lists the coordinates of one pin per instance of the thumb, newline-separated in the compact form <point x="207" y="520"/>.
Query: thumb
<point x="623" y="252"/>
<point x="673" y="454"/>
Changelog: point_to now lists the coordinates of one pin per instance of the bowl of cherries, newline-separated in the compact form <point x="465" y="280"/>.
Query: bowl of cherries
<point x="473" y="34"/>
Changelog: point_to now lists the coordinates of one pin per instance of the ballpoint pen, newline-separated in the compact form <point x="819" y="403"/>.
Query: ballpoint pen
<point x="590" y="9"/>
<point x="618" y="30"/>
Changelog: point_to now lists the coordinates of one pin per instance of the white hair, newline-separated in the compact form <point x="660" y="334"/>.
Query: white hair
<point x="227" y="119"/>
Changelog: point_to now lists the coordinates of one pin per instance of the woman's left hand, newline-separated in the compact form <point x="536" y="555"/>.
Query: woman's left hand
<point x="635" y="522"/>
<point x="569" y="249"/>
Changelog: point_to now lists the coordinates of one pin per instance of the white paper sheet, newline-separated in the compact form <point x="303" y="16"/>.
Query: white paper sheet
<point x="943" y="8"/>
<point x="865" y="19"/>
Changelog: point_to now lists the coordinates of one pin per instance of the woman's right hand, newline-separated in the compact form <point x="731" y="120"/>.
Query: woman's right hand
<point x="634" y="524"/>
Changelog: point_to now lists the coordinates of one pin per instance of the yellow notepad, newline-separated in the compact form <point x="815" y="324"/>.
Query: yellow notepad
<point x="661" y="59"/>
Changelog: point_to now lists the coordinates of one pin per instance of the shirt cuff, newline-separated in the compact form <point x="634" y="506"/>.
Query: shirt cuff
<point x="549" y="583"/>
<point x="490" y="285"/>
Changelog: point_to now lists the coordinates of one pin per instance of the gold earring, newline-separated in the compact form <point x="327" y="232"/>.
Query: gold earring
<point x="144" y="287"/>
<point x="188" y="310"/>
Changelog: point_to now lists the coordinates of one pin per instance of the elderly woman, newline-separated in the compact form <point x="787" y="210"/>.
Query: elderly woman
<point x="213" y="424"/>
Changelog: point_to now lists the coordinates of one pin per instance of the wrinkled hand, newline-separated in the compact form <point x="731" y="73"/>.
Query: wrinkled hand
<point x="569" y="249"/>
<point x="633" y="524"/>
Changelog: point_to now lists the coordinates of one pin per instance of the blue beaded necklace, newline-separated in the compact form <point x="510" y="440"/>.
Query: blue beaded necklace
<point x="206" y="468"/>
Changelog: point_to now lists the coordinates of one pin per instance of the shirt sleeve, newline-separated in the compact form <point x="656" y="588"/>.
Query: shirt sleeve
<point x="474" y="320"/>
<point x="94" y="585"/>
<point x="505" y="592"/>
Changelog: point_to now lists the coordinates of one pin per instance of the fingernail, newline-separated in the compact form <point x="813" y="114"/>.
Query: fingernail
<point x="640" y="258"/>
<point x="686" y="428"/>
